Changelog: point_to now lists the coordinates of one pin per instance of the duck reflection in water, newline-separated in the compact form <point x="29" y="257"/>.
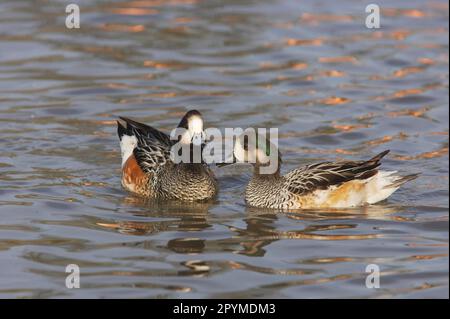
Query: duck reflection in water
<point x="172" y="216"/>
<point x="262" y="231"/>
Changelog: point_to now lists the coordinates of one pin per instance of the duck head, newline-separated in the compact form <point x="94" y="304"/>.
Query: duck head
<point x="192" y="123"/>
<point x="257" y="150"/>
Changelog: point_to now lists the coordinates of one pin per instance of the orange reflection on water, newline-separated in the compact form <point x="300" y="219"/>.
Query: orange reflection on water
<point x="296" y="42"/>
<point x="155" y="64"/>
<point x="299" y="66"/>
<point x="163" y="64"/>
<point x="387" y="138"/>
<point x="343" y="151"/>
<point x="299" y="235"/>
<point x="106" y="122"/>
<point x="114" y="226"/>
<point x="182" y="20"/>
<point x="412" y="13"/>
<point x="162" y="95"/>
<point x="433" y="154"/>
<point x="117" y="86"/>
<point x="335" y="100"/>
<point x="155" y="3"/>
<point x="399" y="35"/>
<point x="123" y="27"/>
<point x="408" y="92"/>
<point x="313" y="18"/>
<point x="403" y="93"/>
<point x="406" y="71"/>
<point x="349" y="128"/>
<point x="389" y="35"/>
<point x="134" y="11"/>
<point x="338" y="59"/>
<point x="427" y="61"/>
<point x="165" y="95"/>
<point x="291" y="65"/>
<point x="109" y="51"/>
<point x="428" y="257"/>
<point x="415" y="113"/>
<point x="177" y="29"/>
<point x="335" y="151"/>
<point x="439" y="133"/>
<point x="266" y="65"/>
<point x="332" y="73"/>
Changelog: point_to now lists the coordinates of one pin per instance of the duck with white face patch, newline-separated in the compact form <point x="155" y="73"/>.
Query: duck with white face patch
<point x="192" y="122"/>
<point x="148" y="168"/>
<point x="190" y="137"/>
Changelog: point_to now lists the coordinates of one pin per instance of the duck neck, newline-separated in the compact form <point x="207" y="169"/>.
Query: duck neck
<point x="191" y="166"/>
<point x="269" y="170"/>
<point x="264" y="173"/>
<point x="262" y="187"/>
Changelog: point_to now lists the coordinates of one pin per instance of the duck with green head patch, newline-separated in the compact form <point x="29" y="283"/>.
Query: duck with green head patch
<point x="338" y="184"/>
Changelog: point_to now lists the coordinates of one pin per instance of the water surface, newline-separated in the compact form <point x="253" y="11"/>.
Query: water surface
<point x="334" y="88"/>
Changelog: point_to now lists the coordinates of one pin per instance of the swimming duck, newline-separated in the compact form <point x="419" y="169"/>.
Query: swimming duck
<point x="148" y="168"/>
<point x="339" y="184"/>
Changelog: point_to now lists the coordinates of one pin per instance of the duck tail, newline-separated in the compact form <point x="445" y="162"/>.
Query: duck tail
<point x="378" y="157"/>
<point x="383" y="184"/>
<point x="123" y="130"/>
<point x="400" y="180"/>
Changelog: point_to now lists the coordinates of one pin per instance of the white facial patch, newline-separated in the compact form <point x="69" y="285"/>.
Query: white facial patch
<point x="195" y="125"/>
<point x="194" y="132"/>
<point x="127" y="145"/>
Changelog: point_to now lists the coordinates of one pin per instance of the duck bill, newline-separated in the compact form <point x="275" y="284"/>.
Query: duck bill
<point x="197" y="139"/>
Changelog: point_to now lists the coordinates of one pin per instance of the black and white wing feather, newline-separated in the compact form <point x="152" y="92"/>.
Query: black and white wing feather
<point x="153" y="146"/>
<point x="321" y="176"/>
